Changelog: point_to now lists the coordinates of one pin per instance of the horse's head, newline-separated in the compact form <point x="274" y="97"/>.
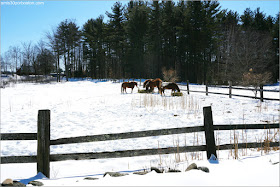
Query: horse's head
<point x="146" y="82"/>
<point x="135" y="83"/>
<point x="147" y="85"/>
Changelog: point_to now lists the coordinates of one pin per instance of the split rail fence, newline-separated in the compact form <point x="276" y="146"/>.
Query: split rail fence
<point x="43" y="157"/>
<point x="230" y="88"/>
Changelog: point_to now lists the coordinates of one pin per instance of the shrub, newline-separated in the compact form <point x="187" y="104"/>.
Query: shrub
<point x="169" y="75"/>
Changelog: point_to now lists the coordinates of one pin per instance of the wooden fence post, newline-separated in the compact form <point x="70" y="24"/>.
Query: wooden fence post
<point x="43" y="142"/>
<point x="188" y="88"/>
<point x="261" y="92"/>
<point x="206" y="88"/>
<point x="209" y="132"/>
<point x="230" y="88"/>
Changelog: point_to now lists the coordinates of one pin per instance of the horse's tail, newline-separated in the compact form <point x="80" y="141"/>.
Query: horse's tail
<point x="122" y="88"/>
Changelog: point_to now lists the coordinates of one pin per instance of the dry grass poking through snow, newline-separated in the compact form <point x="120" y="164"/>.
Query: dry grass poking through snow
<point x="187" y="103"/>
<point x="191" y="105"/>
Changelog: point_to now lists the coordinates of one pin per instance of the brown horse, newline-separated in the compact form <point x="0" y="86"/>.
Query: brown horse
<point x="154" y="83"/>
<point x="172" y="86"/>
<point x="128" y="85"/>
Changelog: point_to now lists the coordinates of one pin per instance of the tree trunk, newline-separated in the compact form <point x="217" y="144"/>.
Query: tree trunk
<point x="66" y="67"/>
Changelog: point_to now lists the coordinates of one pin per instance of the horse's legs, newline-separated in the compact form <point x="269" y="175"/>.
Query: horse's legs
<point x="159" y="85"/>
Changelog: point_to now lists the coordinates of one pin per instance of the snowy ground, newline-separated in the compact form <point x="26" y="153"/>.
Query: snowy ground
<point x="88" y="108"/>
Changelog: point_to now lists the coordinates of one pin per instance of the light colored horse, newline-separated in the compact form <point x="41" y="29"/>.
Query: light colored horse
<point x="154" y="83"/>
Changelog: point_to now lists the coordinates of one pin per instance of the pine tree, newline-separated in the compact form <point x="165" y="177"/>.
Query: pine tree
<point x="136" y="29"/>
<point x="154" y="40"/>
<point x="168" y="34"/>
<point x="195" y="38"/>
<point x="247" y="19"/>
<point x="259" y="21"/>
<point x="68" y="35"/>
<point x="117" y="39"/>
<point x="57" y="48"/>
<point x="94" y="51"/>
<point x="211" y="33"/>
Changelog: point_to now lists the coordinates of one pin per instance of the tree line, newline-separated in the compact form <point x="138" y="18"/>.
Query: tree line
<point x="197" y="40"/>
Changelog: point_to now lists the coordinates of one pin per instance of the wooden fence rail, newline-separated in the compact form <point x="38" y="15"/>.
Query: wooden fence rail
<point x="161" y="132"/>
<point x="137" y="134"/>
<point x="128" y="135"/>
<point x="18" y="136"/>
<point x="43" y="157"/>
<point x="230" y="87"/>
<point x="126" y="153"/>
<point x="240" y="88"/>
<point x="18" y="159"/>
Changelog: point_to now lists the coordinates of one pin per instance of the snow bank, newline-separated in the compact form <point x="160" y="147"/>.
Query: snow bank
<point x="80" y="108"/>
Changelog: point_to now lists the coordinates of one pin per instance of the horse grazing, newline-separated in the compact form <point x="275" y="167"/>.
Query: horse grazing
<point x="172" y="86"/>
<point x="146" y="82"/>
<point x="128" y="85"/>
<point x="154" y="83"/>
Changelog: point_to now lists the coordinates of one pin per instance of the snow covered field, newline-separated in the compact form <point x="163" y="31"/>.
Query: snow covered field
<point x="89" y="108"/>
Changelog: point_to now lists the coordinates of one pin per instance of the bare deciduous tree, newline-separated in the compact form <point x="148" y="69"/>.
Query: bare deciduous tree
<point x="56" y="47"/>
<point x="29" y="59"/>
<point x="248" y="49"/>
<point x="255" y="79"/>
<point x="16" y="52"/>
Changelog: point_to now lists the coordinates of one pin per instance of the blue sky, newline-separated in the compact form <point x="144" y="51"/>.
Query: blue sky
<point x="24" y="23"/>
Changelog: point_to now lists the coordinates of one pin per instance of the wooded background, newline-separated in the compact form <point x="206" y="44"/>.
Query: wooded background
<point x="197" y="40"/>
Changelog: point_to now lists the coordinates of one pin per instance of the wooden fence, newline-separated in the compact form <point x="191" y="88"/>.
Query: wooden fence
<point x="230" y="88"/>
<point x="43" y="157"/>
